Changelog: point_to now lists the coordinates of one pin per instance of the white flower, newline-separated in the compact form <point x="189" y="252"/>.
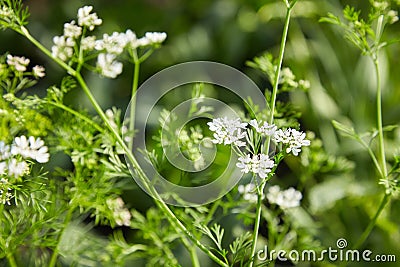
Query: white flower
<point x="248" y="192"/>
<point x="265" y="128"/>
<point x="155" y="37"/>
<point x="38" y="71"/>
<point x="88" y="43"/>
<point x="244" y="163"/>
<point x="113" y="44"/>
<point x="38" y="150"/>
<point x="3" y="167"/>
<point x="87" y="19"/>
<point x="289" y="198"/>
<point x="109" y="67"/>
<point x="262" y="165"/>
<point x="273" y="193"/>
<point x="72" y="30"/>
<point x="32" y="148"/>
<point x="4" y="151"/>
<point x="19" y="63"/>
<point x="228" y="131"/>
<point x="17" y="168"/>
<point x="293" y="139"/>
<point x="258" y="164"/>
<point x="63" y="47"/>
<point x="121" y="215"/>
<point x="21" y="147"/>
<point x="131" y="39"/>
<point x="393" y="16"/>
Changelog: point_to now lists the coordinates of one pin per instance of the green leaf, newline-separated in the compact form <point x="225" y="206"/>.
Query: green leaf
<point x="345" y="130"/>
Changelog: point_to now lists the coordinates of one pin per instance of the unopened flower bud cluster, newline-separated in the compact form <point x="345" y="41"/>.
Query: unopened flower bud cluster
<point x="121" y="215"/>
<point x="109" y="47"/>
<point x="235" y="132"/>
<point x="20" y="66"/>
<point x="15" y="160"/>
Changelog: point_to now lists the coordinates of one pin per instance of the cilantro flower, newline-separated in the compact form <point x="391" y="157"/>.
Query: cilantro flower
<point x="108" y="66"/>
<point x="285" y="199"/>
<point x="87" y="19"/>
<point x="264" y="128"/>
<point x="19" y="63"/>
<point x="63" y="47"/>
<point x="228" y="131"/>
<point x="258" y="164"/>
<point x="292" y="139"/>
<point x="38" y="71"/>
<point x="248" y="192"/>
<point x="72" y="30"/>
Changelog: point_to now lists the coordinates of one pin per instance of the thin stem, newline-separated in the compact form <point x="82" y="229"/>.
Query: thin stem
<point x="133" y="100"/>
<point x="379" y="117"/>
<point x="256" y="226"/>
<point x="54" y="256"/>
<point x="372" y="223"/>
<point x="77" y="114"/>
<point x="11" y="260"/>
<point x="373" y="157"/>
<point x="26" y="33"/>
<point x="270" y="121"/>
<point x="193" y="256"/>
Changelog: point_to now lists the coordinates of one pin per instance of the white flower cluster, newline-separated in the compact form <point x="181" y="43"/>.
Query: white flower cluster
<point x="293" y="139"/>
<point x="121" y="215"/>
<point x="13" y="162"/>
<point x="248" y="192"/>
<point x="110" y="46"/>
<point x="258" y="164"/>
<point x="285" y="199"/>
<point x="20" y="64"/>
<point x="63" y="47"/>
<point x="228" y="131"/>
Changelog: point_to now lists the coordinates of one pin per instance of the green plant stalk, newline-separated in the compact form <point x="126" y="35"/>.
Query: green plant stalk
<point x="11" y="260"/>
<point x="133" y="100"/>
<point x="158" y="200"/>
<point x="382" y="157"/>
<point x="77" y="114"/>
<point x="372" y="223"/>
<point x="270" y="121"/>
<point x="379" y="118"/>
<point x="54" y="256"/>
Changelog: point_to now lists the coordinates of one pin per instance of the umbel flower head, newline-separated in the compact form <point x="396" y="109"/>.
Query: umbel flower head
<point x="289" y="198"/>
<point x="235" y="132"/>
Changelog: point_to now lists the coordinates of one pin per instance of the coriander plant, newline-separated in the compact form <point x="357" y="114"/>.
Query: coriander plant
<point x="228" y="180"/>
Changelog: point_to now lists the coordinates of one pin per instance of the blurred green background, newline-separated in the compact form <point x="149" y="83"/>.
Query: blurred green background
<point x="233" y="31"/>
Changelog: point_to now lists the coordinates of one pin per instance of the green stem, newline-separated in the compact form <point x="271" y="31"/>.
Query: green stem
<point x="379" y="117"/>
<point x="133" y="101"/>
<point x="372" y="155"/>
<point x="256" y="226"/>
<point x="54" y="256"/>
<point x="193" y="257"/>
<point x="11" y="260"/>
<point x="372" y="223"/>
<point x="26" y="33"/>
<point x="270" y="121"/>
<point x="77" y="114"/>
